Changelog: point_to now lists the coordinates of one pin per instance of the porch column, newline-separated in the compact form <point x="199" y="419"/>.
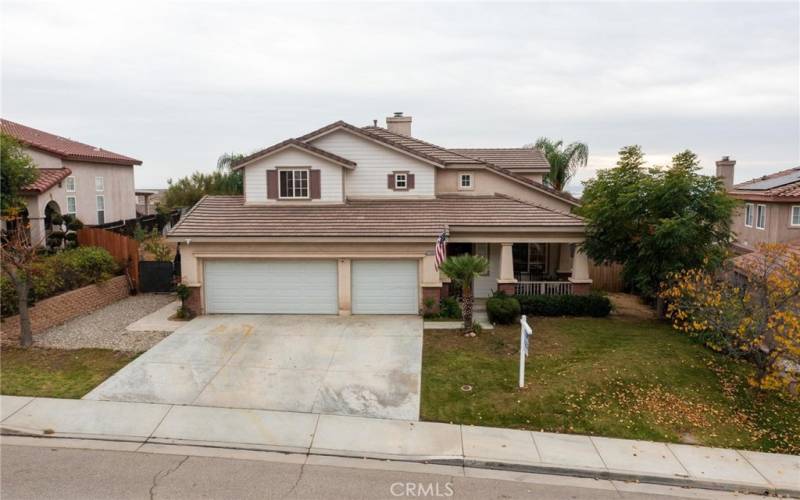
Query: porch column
<point x="344" y="287"/>
<point x="506" y="281"/>
<point x="431" y="285"/>
<point x="581" y="282"/>
<point x="564" y="259"/>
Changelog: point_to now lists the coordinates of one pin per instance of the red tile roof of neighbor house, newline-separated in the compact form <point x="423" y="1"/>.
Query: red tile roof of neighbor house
<point x="62" y="147"/>
<point x="514" y="159"/>
<point x="48" y="177"/>
<point x="755" y="261"/>
<point x="780" y="186"/>
<point x="228" y="216"/>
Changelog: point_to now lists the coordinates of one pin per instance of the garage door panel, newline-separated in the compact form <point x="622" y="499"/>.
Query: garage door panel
<point x="385" y="287"/>
<point x="271" y="287"/>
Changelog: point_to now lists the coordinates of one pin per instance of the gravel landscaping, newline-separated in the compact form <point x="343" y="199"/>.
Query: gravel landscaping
<point x="105" y="328"/>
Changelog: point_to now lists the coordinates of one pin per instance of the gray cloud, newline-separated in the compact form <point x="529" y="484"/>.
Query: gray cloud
<point x="178" y="83"/>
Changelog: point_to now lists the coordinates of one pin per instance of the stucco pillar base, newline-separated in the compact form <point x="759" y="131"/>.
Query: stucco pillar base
<point x="345" y="300"/>
<point x="194" y="303"/>
<point x="581" y="287"/>
<point x="431" y="293"/>
<point x="507" y="287"/>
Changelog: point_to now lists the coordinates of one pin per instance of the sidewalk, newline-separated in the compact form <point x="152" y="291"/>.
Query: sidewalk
<point x="426" y="442"/>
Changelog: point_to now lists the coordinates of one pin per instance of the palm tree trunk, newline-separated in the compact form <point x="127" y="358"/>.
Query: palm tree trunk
<point x="467" y="313"/>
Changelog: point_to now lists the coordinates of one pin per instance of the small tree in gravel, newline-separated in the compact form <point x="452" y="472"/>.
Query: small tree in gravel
<point x="462" y="270"/>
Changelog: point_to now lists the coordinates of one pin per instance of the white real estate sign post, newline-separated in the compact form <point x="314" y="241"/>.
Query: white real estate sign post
<point x="525" y="332"/>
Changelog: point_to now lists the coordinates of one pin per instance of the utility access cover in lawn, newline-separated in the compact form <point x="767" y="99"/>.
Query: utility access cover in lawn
<point x="358" y="365"/>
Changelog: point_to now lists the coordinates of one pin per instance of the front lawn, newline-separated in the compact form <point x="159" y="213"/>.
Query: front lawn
<point x="627" y="378"/>
<point x="57" y="373"/>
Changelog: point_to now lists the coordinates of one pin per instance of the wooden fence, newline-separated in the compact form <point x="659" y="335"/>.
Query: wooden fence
<point x="607" y="277"/>
<point x="124" y="250"/>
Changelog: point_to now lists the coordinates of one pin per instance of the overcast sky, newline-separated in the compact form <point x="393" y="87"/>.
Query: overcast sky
<point x="176" y="84"/>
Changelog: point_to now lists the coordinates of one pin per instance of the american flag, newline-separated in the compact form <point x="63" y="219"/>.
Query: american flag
<point x="441" y="249"/>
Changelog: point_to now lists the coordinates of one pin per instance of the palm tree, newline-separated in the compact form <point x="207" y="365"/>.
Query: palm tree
<point x="462" y="270"/>
<point x="226" y="161"/>
<point x="564" y="160"/>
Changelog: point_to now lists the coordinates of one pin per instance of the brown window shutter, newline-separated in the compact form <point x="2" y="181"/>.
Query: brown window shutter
<point x="390" y="178"/>
<point x="315" y="188"/>
<point x="410" y="181"/>
<point x="272" y="184"/>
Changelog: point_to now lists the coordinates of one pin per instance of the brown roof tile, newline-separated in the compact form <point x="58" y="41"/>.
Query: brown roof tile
<point x="228" y="216"/>
<point x="777" y="190"/>
<point x="48" y="177"/>
<point x="513" y="159"/>
<point x="61" y="146"/>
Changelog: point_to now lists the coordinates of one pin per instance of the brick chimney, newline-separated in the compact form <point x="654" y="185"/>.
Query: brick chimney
<point x="399" y="124"/>
<point x="725" y="171"/>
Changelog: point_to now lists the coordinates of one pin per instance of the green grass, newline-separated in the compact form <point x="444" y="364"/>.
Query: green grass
<point x="625" y="378"/>
<point x="57" y="373"/>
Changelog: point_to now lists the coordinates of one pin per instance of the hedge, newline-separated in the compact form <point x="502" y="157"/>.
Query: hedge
<point x="594" y="305"/>
<point x="502" y="309"/>
<point x="59" y="273"/>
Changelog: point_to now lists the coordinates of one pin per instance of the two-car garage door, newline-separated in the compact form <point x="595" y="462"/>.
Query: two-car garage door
<point x="309" y="286"/>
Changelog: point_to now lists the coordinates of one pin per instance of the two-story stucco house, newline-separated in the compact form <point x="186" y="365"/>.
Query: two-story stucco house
<point x="74" y="178"/>
<point x="344" y="220"/>
<point x="771" y="206"/>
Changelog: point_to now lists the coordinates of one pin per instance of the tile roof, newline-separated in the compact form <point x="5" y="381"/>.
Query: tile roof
<point x="513" y="159"/>
<point x="299" y="144"/>
<point x="48" y="177"/>
<point x="438" y="153"/>
<point x="228" y="216"/>
<point x="62" y="147"/>
<point x="774" y="189"/>
<point x="755" y="261"/>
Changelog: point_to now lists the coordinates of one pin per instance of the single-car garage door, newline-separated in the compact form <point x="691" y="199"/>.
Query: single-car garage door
<point x="271" y="286"/>
<point x="384" y="287"/>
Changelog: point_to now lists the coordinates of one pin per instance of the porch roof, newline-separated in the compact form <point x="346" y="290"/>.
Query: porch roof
<point x="229" y="216"/>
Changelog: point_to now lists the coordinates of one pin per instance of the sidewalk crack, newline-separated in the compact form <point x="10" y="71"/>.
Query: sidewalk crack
<point x="160" y="475"/>
<point x="297" y="481"/>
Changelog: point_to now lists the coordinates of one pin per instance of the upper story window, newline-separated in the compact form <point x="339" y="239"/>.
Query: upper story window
<point x="69" y="184"/>
<point x="795" y="219"/>
<point x="465" y="181"/>
<point x="761" y="216"/>
<point x="748" y="214"/>
<point x="401" y="180"/>
<point x="98" y="184"/>
<point x="293" y="184"/>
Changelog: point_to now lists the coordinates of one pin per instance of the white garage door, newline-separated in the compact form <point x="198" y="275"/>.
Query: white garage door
<point x="271" y="287"/>
<point x="384" y="287"/>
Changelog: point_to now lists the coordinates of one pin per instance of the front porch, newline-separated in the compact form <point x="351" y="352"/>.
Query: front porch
<point x="527" y="268"/>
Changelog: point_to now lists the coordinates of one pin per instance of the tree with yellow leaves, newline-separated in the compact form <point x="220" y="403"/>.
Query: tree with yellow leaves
<point x="750" y="311"/>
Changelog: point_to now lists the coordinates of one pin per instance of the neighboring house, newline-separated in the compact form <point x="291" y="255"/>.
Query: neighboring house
<point x="345" y="219"/>
<point x="147" y="200"/>
<point x="771" y="206"/>
<point x="74" y="178"/>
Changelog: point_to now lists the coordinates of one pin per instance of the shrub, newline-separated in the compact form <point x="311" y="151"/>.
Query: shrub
<point x="449" y="308"/>
<point x="427" y="308"/>
<point x="60" y="273"/>
<point x="594" y="305"/>
<point x="502" y="309"/>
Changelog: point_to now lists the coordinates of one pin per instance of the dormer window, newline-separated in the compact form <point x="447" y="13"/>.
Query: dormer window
<point x="401" y="181"/>
<point x="465" y="181"/>
<point x="293" y="184"/>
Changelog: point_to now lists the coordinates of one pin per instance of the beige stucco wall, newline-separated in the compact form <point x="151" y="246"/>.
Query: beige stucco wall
<point x="42" y="159"/>
<point x="487" y="182"/>
<point x="778" y="225"/>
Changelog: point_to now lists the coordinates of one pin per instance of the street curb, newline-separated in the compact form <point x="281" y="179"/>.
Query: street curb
<point x="558" y="470"/>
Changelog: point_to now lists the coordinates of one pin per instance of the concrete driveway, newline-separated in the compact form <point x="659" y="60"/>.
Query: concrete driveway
<point x="358" y="365"/>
